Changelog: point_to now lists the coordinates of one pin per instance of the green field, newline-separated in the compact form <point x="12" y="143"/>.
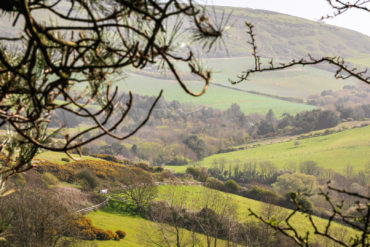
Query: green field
<point x="216" y="97"/>
<point x="138" y="229"/>
<point x="335" y="151"/>
<point x="196" y="195"/>
<point x="362" y="60"/>
<point x="111" y="221"/>
<point x="298" y="82"/>
<point x="193" y="196"/>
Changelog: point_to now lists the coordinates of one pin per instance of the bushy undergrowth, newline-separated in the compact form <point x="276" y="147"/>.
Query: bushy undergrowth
<point x="112" y="158"/>
<point x="90" y="172"/>
<point x="49" y="179"/>
<point x="90" y="232"/>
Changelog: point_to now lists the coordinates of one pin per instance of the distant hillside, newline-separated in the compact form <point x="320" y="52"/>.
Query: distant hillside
<point x="278" y="35"/>
<point x="334" y="151"/>
<point x="284" y="36"/>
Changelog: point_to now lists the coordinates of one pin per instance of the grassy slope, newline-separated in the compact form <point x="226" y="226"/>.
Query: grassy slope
<point x="350" y="147"/>
<point x="134" y="226"/>
<point x="298" y="82"/>
<point x="195" y="194"/>
<point x="216" y="97"/>
<point x="137" y="229"/>
<point x="284" y="36"/>
<point x="110" y="221"/>
<point x="280" y="36"/>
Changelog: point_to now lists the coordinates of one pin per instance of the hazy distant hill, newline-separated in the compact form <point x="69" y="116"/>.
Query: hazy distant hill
<point x="278" y="35"/>
<point x="285" y="36"/>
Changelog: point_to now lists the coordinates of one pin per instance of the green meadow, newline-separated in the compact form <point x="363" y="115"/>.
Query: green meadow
<point x="335" y="151"/>
<point x="297" y="82"/>
<point x="112" y="221"/>
<point x="139" y="230"/>
<point x="192" y="197"/>
<point x="216" y="97"/>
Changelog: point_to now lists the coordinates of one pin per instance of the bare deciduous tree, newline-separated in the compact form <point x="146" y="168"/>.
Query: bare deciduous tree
<point x="86" y="43"/>
<point x="343" y="71"/>
<point x="218" y="217"/>
<point x="170" y="217"/>
<point x="359" y="220"/>
<point x="37" y="219"/>
<point x="139" y="190"/>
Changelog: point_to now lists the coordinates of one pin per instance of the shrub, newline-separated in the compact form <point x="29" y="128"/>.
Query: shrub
<point x="303" y="201"/>
<point x="144" y="166"/>
<point x="121" y="234"/>
<point x="214" y="183"/>
<point x="89" y="177"/>
<point x="18" y="179"/>
<point x="178" y="161"/>
<point x="86" y="228"/>
<point x="49" y="179"/>
<point x="200" y="174"/>
<point x="89" y="232"/>
<point x="103" y="235"/>
<point x="295" y="182"/>
<point x="110" y="234"/>
<point x="231" y="186"/>
<point x="109" y="157"/>
<point x="158" y="169"/>
<point x="309" y="167"/>
<point x="261" y="194"/>
<point x="197" y="145"/>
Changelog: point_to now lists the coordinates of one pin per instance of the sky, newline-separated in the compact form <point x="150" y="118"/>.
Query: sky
<point x="310" y="9"/>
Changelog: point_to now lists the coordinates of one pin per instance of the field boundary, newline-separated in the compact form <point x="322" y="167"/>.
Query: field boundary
<point x="92" y="208"/>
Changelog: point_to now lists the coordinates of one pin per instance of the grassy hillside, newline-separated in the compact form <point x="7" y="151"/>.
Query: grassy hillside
<point x="335" y="151"/>
<point x="278" y="35"/>
<point x="216" y="97"/>
<point x="285" y="36"/>
<point x="194" y="195"/>
<point x="298" y="82"/>
<point x="137" y="227"/>
<point x="111" y="221"/>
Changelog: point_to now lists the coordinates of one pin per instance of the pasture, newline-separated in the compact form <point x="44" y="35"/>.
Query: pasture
<point x="335" y="151"/>
<point x="297" y="82"/>
<point x="139" y="230"/>
<point x="215" y="97"/>
<point x="194" y="198"/>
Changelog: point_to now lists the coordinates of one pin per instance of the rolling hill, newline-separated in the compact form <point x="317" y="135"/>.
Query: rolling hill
<point x="335" y="151"/>
<point x="138" y="227"/>
<point x="286" y="37"/>
<point x="280" y="36"/>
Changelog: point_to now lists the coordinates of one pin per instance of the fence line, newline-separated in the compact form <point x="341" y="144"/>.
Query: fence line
<point x="91" y="208"/>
